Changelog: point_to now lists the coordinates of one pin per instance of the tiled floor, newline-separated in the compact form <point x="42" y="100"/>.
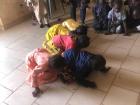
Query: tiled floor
<point x="120" y="86"/>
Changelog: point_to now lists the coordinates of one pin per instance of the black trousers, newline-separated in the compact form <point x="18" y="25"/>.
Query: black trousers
<point x="83" y="14"/>
<point x="73" y="12"/>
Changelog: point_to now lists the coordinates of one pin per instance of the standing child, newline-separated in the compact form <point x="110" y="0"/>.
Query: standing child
<point x="117" y="19"/>
<point x="39" y="72"/>
<point x="100" y="12"/>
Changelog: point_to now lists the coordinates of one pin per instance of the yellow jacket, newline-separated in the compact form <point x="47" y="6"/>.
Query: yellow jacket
<point x="52" y="31"/>
<point x="55" y="30"/>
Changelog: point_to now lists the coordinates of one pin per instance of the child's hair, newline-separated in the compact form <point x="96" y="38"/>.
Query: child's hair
<point x="82" y="42"/>
<point x="56" y="62"/>
<point x="81" y="30"/>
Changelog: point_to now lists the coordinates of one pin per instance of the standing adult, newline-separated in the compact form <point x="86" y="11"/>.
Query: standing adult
<point x="73" y="6"/>
<point x="134" y="13"/>
<point x="83" y="7"/>
<point x="40" y="11"/>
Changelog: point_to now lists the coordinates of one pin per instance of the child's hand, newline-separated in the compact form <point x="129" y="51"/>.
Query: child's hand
<point x="106" y="70"/>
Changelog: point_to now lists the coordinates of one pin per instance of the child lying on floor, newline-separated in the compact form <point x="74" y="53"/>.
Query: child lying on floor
<point x="67" y="27"/>
<point x="81" y="64"/>
<point x="60" y="43"/>
<point x="39" y="72"/>
<point x="117" y="19"/>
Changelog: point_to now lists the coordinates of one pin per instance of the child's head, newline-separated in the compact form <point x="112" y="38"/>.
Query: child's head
<point x="82" y="41"/>
<point x="57" y="63"/>
<point x="117" y="5"/>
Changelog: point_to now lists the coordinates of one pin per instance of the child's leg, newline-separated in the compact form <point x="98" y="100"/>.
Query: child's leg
<point x="83" y="14"/>
<point x="109" y="26"/>
<point x="96" y="25"/>
<point x="46" y="20"/>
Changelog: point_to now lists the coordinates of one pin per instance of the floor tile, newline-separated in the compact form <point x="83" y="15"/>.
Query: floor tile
<point x="35" y="104"/>
<point x="115" y="56"/>
<point x="7" y="38"/>
<point x="26" y="43"/>
<point x="87" y="96"/>
<point x="54" y="96"/>
<point x="138" y="101"/>
<point x="23" y="68"/>
<point x="23" y="96"/>
<point x="116" y="53"/>
<point x="119" y="96"/>
<point x="137" y="43"/>
<point x="103" y="80"/>
<point x="133" y="36"/>
<point x="2" y="76"/>
<point x="123" y="43"/>
<point x="135" y="52"/>
<point x="91" y="33"/>
<point x="113" y="63"/>
<point x="14" y="80"/>
<point x="110" y="37"/>
<point x="70" y="87"/>
<point x="129" y="80"/>
<point x="4" y="93"/>
<point x="95" y="50"/>
<point x="7" y="53"/>
<point x="3" y="104"/>
<point x="101" y="43"/>
<point x="132" y="64"/>
<point x="9" y="65"/>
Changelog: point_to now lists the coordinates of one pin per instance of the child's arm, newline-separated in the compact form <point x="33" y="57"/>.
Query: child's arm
<point x="83" y="82"/>
<point x="86" y="83"/>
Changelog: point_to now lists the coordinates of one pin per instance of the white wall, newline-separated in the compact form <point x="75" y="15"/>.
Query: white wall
<point x="12" y="13"/>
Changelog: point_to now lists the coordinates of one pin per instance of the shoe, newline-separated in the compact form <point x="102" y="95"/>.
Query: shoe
<point x="41" y="26"/>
